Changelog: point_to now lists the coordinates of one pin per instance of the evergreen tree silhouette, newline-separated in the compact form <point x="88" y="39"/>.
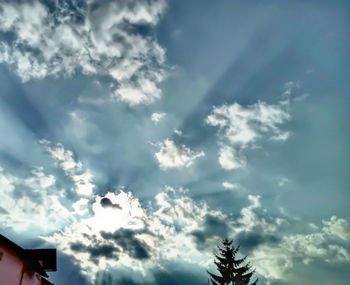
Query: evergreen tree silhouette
<point x="233" y="271"/>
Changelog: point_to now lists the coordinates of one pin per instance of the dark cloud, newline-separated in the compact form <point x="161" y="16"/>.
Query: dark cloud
<point x="213" y="227"/>
<point x="108" y="251"/>
<point x="107" y="203"/>
<point x="126" y="239"/>
<point x="249" y="240"/>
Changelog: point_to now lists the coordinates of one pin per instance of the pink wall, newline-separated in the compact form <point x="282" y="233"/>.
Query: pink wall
<point x="11" y="270"/>
<point x="10" y="267"/>
<point x="31" y="278"/>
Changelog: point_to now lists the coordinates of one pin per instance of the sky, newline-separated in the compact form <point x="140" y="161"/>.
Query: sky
<point x="135" y="135"/>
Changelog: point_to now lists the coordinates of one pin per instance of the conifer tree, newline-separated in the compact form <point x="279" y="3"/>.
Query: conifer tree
<point x="233" y="271"/>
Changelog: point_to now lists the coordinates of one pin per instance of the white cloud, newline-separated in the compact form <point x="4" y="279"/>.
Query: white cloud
<point x="231" y="186"/>
<point x="249" y="219"/>
<point x="157" y="117"/>
<point x="242" y="127"/>
<point x="82" y="179"/>
<point x="64" y="158"/>
<point x="172" y="156"/>
<point x="83" y="183"/>
<point x="95" y="38"/>
<point x="323" y="245"/>
<point x="319" y="245"/>
<point x="229" y="158"/>
<point x="178" y="132"/>
<point x="339" y="227"/>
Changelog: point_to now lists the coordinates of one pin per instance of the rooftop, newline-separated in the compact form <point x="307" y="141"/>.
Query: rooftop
<point x="37" y="260"/>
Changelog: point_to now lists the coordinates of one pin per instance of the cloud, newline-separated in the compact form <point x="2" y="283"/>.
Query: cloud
<point x="230" y="159"/>
<point x="242" y="127"/>
<point x="232" y="186"/>
<point x="319" y="245"/>
<point x="104" y="38"/>
<point x="96" y="251"/>
<point x="274" y="249"/>
<point x="82" y="179"/>
<point x="250" y="220"/>
<point x="283" y="181"/>
<point x="157" y="117"/>
<point x="178" y="132"/>
<point x="289" y="87"/>
<point x="310" y="247"/>
<point x="35" y="202"/>
<point x="116" y="231"/>
<point x="138" y="238"/>
<point x="214" y="226"/>
<point x="130" y="237"/>
<point x="338" y="227"/>
<point x="125" y="238"/>
<point x="32" y="203"/>
<point x="172" y="156"/>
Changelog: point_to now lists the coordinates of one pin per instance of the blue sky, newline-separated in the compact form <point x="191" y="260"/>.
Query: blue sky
<point x="137" y="134"/>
